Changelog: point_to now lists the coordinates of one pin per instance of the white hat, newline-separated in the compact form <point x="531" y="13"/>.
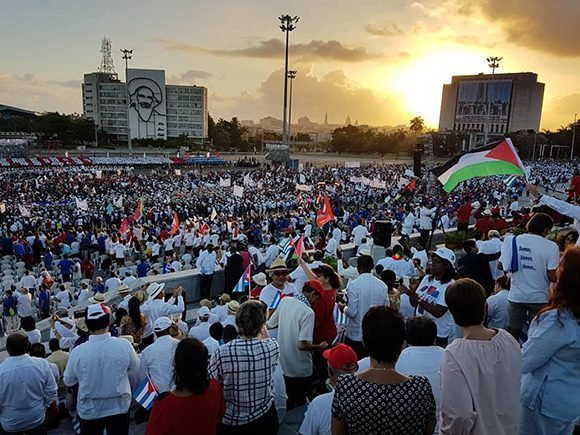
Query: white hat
<point x="97" y="298"/>
<point x="97" y="311"/>
<point x="260" y="279"/>
<point x="446" y="254"/>
<point x="162" y="323"/>
<point x="154" y="289"/>
<point x="476" y="204"/>
<point x="203" y="312"/>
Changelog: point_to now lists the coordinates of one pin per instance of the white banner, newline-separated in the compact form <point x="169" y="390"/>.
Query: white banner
<point x="178" y="172"/>
<point x="82" y="204"/>
<point x="302" y="179"/>
<point x="365" y="181"/>
<point x="238" y="191"/>
<point x="303" y="188"/>
<point x="355" y="179"/>
<point x="225" y="182"/>
<point x="248" y="181"/>
<point x="24" y="211"/>
<point x="352" y="164"/>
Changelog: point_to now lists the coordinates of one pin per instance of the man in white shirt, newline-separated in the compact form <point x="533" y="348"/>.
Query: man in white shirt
<point x="422" y="357"/>
<point x="84" y="295"/>
<point x="398" y="263"/>
<point x="27" y="388"/>
<point x="201" y="329"/>
<point x="364" y="292"/>
<point x="337" y="233"/>
<point x="157" y="358"/>
<point x="63" y="297"/>
<point x="24" y="306"/>
<point x="206" y="264"/>
<point x="359" y="233"/>
<point x="113" y="283"/>
<point x="129" y="279"/>
<point x="426" y="216"/>
<point x="271" y="253"/>
<point x="498" y="306"/>
<point x="341" y="360"/>
<point x="295" y="322"/>
<point x="156" y="307"/>
<point x="331" y="247"/>
<point x="533" y="267"/>
<point x="28" y="281"/>
<point x="101" y="368"/>
<point x="212" y="343"/>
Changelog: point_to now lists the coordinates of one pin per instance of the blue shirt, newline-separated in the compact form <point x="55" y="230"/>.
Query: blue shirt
<point x="142" y="269"/>
<point x="99" y="288"/>
<point x="47" y="260"/>
<point x="551" y="366"/>
<point x="65" y="266"/>
<point x="27" y="388"/>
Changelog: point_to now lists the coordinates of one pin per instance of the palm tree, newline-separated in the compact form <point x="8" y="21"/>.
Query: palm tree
<point x="417" y="124"/>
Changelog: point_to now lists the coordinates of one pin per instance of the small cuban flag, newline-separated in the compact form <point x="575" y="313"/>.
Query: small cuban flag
<point x="146" y="393"/>
<point x="76" y="425"/>
<point x="276" y="301"/>
<point x="244" y="283"/>
<point x="339" y="317"/>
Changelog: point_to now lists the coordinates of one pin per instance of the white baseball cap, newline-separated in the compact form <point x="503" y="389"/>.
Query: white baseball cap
<point x="162" y="323"/>
<point x="203" y="312"/>
<point x="446" y="254"/>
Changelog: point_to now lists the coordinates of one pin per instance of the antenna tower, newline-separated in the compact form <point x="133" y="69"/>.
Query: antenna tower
<point x="107" y="65"/>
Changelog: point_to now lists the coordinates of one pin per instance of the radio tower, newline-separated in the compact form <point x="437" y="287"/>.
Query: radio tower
<point x="107" y="65"/>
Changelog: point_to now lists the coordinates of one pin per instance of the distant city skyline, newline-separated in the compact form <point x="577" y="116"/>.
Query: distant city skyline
<point x="382" y="65"/>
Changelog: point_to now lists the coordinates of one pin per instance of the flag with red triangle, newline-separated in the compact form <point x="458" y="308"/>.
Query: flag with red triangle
<point x="412" y="185"/>
<point x="174" y="224"/>
<point x="204" y="229"/>
<point x="324" y="214"/>
<point x="498" y="158"/>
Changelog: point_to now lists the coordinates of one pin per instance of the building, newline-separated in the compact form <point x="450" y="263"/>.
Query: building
<point x="156" y="110"/>
<point x="11" y="112"/>
<point x="484" y="107"/>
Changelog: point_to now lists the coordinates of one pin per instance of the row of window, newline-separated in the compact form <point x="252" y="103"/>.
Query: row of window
<point x="184" y="90"/>
<point x="183" y="125"/>
<point x="493" y="128"/>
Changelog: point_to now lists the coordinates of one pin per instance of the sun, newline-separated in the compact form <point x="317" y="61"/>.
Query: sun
<point x="419" y="83"/>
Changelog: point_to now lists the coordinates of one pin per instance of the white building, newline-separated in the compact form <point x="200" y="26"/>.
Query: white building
<point x="156" y="110"/>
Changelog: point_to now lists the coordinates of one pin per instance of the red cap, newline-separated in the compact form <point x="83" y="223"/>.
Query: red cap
<point x="341" y="357"/>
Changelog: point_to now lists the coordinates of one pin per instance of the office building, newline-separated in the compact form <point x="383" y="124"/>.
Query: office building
<point x="484" y="107"/>
<point x="156" y="110"/>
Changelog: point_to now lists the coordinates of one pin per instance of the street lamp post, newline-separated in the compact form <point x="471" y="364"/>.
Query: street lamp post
<point x="291" y="76"/>
<point x="287" y="24"/>
<point x="573" y="137"/>
<point x="127" y="54"/>
<point x="493" y="63"/>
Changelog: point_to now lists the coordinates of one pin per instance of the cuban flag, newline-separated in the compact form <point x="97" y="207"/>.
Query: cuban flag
<point x="76" y="425"/>
<point x="276" y="301"/>
<point x="145" y="394"/>
<point x="339" y="317"/>
<point x="244" y="283"/>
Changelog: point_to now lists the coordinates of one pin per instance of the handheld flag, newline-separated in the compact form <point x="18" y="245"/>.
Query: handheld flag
<point x="145" y="393"/>
<point x="213" y="214"/>
<point x="339" y="317"/>
<point x="138" y="213"/>
<point x="174" y="224"/>
<point x="244" y="283"/>
<point x="82" y="204"/>
<point x="124" y="227"/>
<point x="276" y="301"/>
<point x="324" y="214"/>
<point x="499" y="158"/>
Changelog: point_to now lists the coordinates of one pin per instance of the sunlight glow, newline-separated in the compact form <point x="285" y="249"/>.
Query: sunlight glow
<point x="419" y="84"/>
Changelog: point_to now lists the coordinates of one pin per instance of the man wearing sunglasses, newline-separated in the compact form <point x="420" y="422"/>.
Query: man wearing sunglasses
<point x="277" y="289"/>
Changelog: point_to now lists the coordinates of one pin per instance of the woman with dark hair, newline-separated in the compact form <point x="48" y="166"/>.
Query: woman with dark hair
<point x="380" y="400"/>
<point x="197" y="403"/>
<point x="550" y="392"/>
<point x="567" y="239"/>
<point x="480" y="375"/>
<point x="134" y="323"/>
<point x="428" y="297"/>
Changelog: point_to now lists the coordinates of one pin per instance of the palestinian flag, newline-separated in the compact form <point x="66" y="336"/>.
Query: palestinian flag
<point x="499" y="158"/>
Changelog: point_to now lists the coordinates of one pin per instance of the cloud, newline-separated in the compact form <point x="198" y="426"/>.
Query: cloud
<point x="274" y="49"/>
<point x="388" y="29"/>
<point x="560" y="111"/>
<point x="550" y="27"/>
<point x="189" y="76"/>
<point x="31" y="92"/>
<point x="313" y="96"/>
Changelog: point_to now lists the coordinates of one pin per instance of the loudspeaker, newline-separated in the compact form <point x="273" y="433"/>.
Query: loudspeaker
<point x="382" y="232"/>
<point x="417" y="164"/>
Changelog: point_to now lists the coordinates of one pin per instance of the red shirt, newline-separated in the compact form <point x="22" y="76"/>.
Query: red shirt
<point x="324" y="326"/>
<point x="463" y="213"/>
<point x="483" y="225"/>
<point x="199" y="414"/>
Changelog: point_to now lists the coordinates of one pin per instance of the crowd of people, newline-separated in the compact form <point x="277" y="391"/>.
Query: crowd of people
<point x="420" y="339"/>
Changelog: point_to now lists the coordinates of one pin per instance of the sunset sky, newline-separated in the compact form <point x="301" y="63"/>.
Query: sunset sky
<point x="379" y="61"/>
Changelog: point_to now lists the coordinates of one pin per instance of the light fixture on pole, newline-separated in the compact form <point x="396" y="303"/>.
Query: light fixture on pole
<point x="287" y="24"/>
<point x="573" y="136"/>
<point x="127" y="54"/>
<point x="291" y="76"/>
<point x="493" y="63"/>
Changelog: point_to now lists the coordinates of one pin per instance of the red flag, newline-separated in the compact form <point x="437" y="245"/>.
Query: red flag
<point x="138" y="213"/>
<point x="174" y="224"/>
<point x="325" y="214"/>
<point x="299" y="248"/>
<point x="124" y="227"/>
<point x="412" y="185"/>
<point x="204" y="229"/>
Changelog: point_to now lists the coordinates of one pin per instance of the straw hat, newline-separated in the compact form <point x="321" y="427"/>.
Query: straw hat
<point x="154" y="289"/>
<point x="260" y="279"/>
<point x="278" y="265"/>
<point x="233" y="307"/>
<point x="98" y="298"/>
